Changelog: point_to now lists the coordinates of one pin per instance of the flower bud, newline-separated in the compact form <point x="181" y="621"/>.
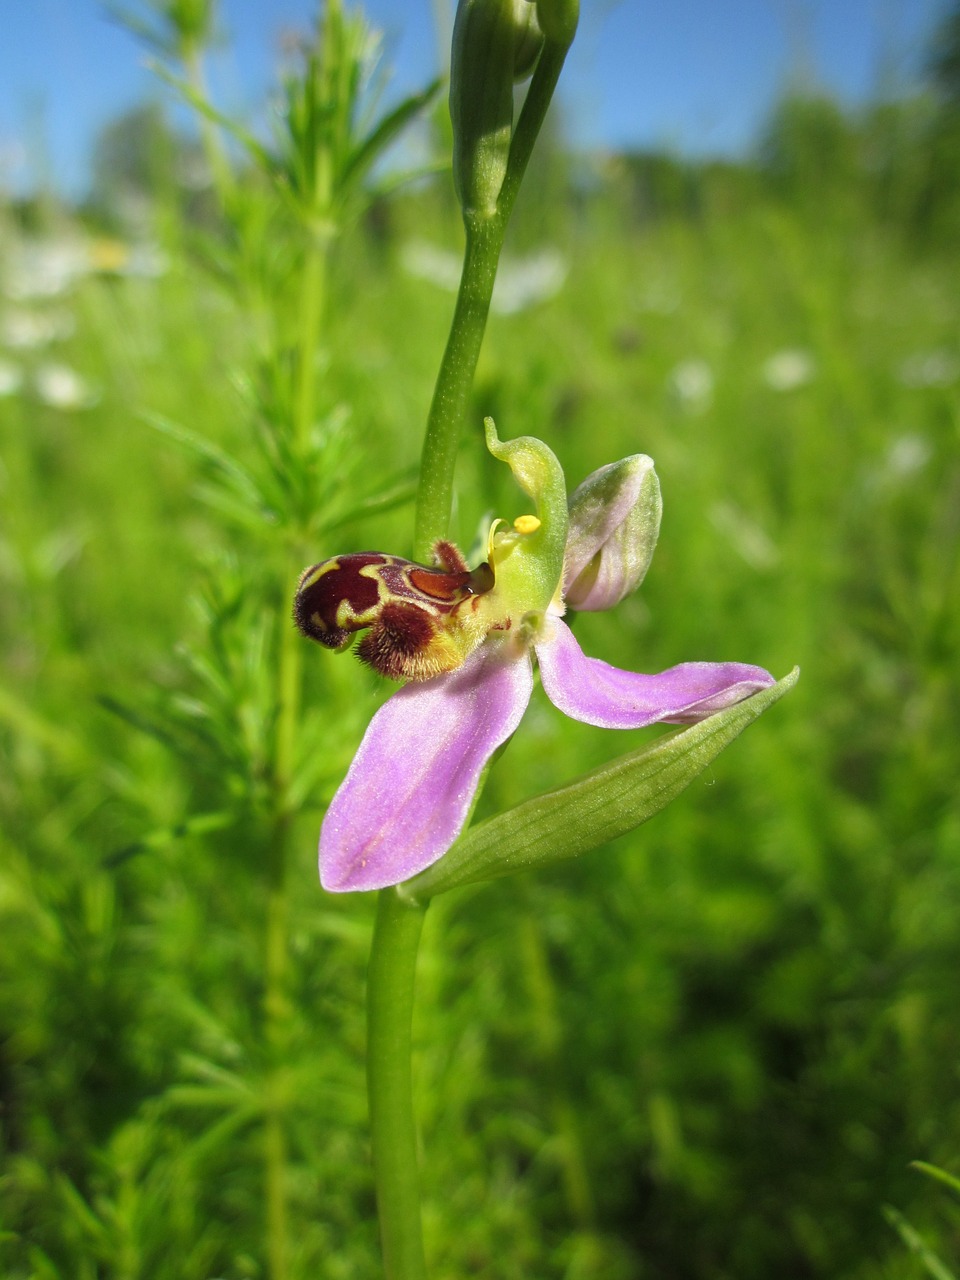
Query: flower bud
<point x="558" y="19"/>
<point x="527" y="40"/>
<point x="614" y="523"/>
<point x="495" y="42"/>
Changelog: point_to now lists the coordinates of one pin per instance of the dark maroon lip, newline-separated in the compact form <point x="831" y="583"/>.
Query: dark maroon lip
<point x="403" y="604"/>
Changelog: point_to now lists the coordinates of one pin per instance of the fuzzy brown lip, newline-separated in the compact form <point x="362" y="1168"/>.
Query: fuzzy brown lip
<point x="405" y="605"/>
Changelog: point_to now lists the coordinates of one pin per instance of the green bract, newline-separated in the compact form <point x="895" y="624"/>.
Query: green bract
<point x="596" y="808"/>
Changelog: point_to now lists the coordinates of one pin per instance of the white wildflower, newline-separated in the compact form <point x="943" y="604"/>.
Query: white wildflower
<point x="659" y="298"/>
<point x="939" y="368"/>
<point x="750" y="541"/>
<point x="524" y="282"/>
<point x="788" y="369"/>
<point x="146" y="260"/>
<point x="907" y="455"/>
<point x="61" y="387"/>
<point x="22" y="329"/>
<point x="11" y="378"/>
<point x="118" y="258"/>
<point x="691" y="381"/>
<point x="428" y="262"/>
<point x="520" y="283"/>
<point x="44" y="268"/>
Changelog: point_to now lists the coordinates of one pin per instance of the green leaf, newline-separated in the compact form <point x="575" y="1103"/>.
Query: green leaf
<point x="29" y="723"/>
<point x="78" y="1209"/>
<point x="146" y="724"/>
<point x="917" y="1245"/>
<point x="149" y="35"/>
<point x="397" y="179"/>
<point x="941" y="1175"/>
<point x="257" y="152"/>
<point x="596" y="808"/>
<point x="395" y="494"/>
<point x="197" y="825"/>
<point x="387" y="129"/>
<point x="241" y="479"/>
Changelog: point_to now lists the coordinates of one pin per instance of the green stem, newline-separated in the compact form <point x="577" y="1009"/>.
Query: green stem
<point x="311" y="314"/>
<point x="547" y="1042"/>
<point x="276" y="1001"/>
<point x="390" y="988"/>
<point x="534" y="110"/>
<point x="217" y="159"/>
<point x="275" y="1153"/>
<point x="454" y="380"/>
<point x="277" y="1020"/>
<point x="481" y="255"/>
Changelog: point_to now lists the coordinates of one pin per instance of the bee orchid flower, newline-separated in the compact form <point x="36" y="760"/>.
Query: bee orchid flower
<point x="465" y="642"/>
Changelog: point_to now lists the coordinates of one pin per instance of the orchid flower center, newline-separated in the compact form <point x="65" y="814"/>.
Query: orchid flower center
<point x="527" y="558"/>
<point x="423" y="621"/>
<point x="527" y="524"/>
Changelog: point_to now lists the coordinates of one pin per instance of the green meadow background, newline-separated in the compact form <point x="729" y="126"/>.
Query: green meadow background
<point x="710" y="1051"/>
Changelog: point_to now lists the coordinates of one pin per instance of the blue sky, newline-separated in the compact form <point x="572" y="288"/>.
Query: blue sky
<point x="697" y="75"/>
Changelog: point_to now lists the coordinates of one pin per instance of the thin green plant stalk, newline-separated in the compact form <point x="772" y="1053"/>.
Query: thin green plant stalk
<point x="392" y="972"/>
<point x="390" y="987"/>
<point x="216" y="155"/>
<point x="454" y="381"/>
<point x="548" y="1036"/>
<point x="275" y="1154"/>
<point x="289" y="693"/>
<point x="277" y="1019"/>
<point x="484" y="241"/>
<point x="311" y="312"/>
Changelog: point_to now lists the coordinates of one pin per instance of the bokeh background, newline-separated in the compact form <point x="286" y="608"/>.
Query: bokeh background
<point x="715" y="1049"/>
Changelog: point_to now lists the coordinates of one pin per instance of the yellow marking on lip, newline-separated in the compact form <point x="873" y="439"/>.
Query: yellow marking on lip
<point x="315" y="572"/>
<point x="526" y="524"/>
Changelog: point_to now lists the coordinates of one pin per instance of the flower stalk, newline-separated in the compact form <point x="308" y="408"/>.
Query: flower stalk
<point x="390" y="984"/>
<point x="485" y="233"/>
<point x="276" y="1003"/>
<point x="390" y="987"/>
<point x="454" y="381"/>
